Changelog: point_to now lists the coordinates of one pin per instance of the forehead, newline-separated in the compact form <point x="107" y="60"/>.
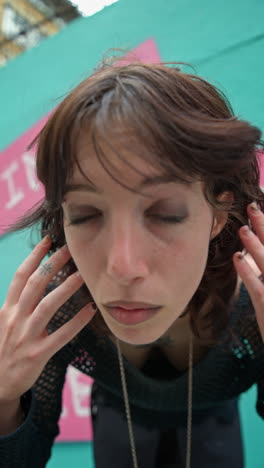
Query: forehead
<point x="127" y="168"/>
<point x="122" y="154"/>
<point x="114" y="146"/>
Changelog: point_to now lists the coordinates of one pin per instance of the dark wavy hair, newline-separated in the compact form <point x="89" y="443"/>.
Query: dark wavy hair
<point x="189" y="130"/>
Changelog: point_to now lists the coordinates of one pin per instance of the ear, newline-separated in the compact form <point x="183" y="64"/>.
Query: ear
<point x="221" y="216"/>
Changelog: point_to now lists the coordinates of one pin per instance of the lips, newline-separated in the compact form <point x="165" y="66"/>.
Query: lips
<point x="131" y="305"/>
<point x="132" y="316"/>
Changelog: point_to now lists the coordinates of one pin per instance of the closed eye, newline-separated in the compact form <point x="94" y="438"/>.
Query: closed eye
<point x="167" y="219"/>
<point x="155" y="218"/>
<point x="84" y="219"/>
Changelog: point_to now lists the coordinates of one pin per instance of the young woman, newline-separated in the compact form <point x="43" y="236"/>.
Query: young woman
<point x="150" y="185"/>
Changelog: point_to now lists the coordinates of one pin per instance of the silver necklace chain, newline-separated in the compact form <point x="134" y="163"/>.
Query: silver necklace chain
<point x="127" y="405"/>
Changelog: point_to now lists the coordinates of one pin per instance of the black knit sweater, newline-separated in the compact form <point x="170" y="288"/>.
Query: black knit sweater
<point x="157" y="393"/>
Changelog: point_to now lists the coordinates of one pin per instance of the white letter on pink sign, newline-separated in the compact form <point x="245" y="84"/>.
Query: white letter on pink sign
<point x="80" y="392"/>
<point x="15" y="194"/>
<point x="29" y="161"/>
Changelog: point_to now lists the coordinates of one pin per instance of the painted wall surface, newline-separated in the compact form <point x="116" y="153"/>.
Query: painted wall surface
<point x="224" y="41"/>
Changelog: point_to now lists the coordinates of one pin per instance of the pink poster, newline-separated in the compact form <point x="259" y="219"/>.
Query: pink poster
<point x="75" y="420"/>
<point x="19" y="187"/>
<point x="20" y="190"/>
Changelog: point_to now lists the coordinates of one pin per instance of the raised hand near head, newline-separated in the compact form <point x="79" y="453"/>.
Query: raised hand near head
<point x="254" y="244"/>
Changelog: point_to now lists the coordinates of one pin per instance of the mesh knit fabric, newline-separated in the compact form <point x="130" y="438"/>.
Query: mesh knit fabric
<point x="226" y="371"/>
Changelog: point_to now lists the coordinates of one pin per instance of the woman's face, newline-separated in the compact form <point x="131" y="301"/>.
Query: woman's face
<point x="132" y="248"/>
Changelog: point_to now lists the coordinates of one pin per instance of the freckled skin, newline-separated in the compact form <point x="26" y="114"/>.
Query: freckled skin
<point x="126" y="255"/>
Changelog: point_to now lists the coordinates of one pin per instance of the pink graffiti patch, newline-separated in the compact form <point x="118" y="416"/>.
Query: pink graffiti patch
<point x="75" y="420"/>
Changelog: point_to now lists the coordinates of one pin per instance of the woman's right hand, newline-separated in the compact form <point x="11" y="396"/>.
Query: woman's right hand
<point x="25" y="345"/>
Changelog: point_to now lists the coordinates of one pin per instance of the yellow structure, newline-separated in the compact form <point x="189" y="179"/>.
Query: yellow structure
<point x="23" y="23"/>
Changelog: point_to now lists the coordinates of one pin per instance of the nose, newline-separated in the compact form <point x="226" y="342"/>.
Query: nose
<point x="126" y="253"/>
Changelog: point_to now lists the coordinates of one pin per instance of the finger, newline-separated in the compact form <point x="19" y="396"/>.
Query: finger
<point x="254" y="285"/>
<point x="39" y="280"/>
<point x="257" y="219"/>
<point x="51" y="303"/>
<point x="69" y="330"/>
<point x="253" y="245"/>
<point x="26" y="269"/>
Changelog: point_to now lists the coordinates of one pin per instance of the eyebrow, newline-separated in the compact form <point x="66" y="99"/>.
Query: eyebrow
<point x="147" y="182"/>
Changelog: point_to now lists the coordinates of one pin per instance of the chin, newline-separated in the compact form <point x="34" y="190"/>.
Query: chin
<point x="135" y="335"/>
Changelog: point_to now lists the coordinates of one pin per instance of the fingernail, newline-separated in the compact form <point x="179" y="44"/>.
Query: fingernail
<point x="246" y="230"/>
<point x="46" y="239"/>
<point x="240" y="256"/>
<point x="254" y="208"/>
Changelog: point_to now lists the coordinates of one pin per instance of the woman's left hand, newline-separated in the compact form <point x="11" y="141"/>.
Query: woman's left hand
<point x="254" y="244"/>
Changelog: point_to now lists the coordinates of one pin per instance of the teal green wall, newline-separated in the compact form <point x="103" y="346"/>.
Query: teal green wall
<point x="224" y="41"/>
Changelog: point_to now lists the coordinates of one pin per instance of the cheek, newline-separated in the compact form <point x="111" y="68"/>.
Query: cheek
<point x="185" y="260"/>
<point x="76" y="246"/>
<point x="86" y="259"/>
<point x="191" y="244"/>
